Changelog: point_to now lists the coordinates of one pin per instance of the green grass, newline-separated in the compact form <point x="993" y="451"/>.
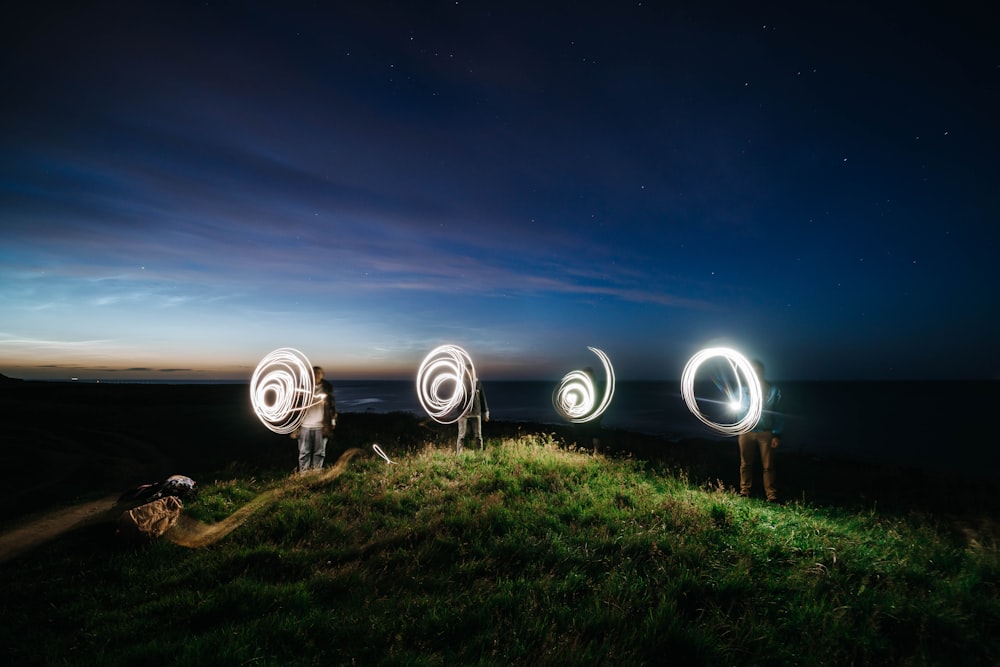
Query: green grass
<point x="527" y="553"/>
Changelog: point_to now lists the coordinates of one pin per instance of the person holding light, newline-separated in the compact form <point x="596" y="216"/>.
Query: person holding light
<point x="478" y="413"/>
<point x="762" y="440"/>
<point x="317" y="425"/>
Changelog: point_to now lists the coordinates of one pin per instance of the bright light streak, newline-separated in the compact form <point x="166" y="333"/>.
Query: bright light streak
<point x="378" y="450"/>
<point x="740" y="367"/>
<point x="575" y="399"/>
<point x="446" y="384"/>
<point x="188" y="532"/>
<point x="282" y="389"/>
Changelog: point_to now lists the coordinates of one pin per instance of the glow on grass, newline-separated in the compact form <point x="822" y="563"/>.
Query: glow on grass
<point x="739" y="383"/>
<point x="192" y="533"/>
<point x="575" y="398"/>
<point x="282" y="388"/>
<point x="446" y="384"/>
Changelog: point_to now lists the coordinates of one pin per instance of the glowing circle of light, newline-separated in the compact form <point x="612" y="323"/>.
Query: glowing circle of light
<point x="281" y="390"/>
<point x="751" y="387"/>
<point x="446" y="384"/>
<point x="575" y="397"/>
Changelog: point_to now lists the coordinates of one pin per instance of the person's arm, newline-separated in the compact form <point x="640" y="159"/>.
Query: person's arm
<point x="482" y="397"/>
<point x="777" y="421"/>
<point x="331" y="404"/>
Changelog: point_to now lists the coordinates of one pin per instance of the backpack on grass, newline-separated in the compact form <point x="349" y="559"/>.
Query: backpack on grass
<point x="148" y="522"/>
<point x="180" y="486"/>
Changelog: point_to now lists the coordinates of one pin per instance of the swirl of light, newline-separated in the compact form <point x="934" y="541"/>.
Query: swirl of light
<point x="281" y="389"/>
<point x="380" y="452"/>
<point x="446" y="384"/>
<point x="740" y="366"/>
<point x="575" y="398"/>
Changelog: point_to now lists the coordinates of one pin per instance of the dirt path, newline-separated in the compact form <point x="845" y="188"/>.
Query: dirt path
<point x="18" y="540"/>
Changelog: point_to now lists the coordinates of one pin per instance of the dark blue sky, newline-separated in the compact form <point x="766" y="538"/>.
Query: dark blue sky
<point x="185" y="187"/>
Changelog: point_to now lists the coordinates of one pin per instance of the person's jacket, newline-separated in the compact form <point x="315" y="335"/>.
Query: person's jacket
<point x="770" y="417"/>
<point x="479" y="406"/>
<point x="329" y="408"/>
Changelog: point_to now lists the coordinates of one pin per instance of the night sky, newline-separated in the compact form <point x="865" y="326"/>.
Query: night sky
<point x="185" y="187"/>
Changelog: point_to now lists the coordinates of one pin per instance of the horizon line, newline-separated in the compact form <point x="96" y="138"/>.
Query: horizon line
<point x="4" y="379"/>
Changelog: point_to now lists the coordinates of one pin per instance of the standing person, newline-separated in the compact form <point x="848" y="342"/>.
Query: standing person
<point x="590" y="430"/>
<point x="317" y="425"/>
<point x="762" y="440"/>
<point x="479" y="412"/>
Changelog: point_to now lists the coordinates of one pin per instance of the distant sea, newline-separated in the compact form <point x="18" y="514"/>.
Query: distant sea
<point x="944" y="426"/>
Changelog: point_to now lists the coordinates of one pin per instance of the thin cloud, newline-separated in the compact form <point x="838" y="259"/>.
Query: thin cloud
<point x="40" y="343"/>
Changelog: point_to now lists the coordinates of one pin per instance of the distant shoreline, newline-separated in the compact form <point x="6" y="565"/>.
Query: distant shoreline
<point x="246" y="381"/>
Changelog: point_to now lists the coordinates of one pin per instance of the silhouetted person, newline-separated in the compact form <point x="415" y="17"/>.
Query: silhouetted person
<point x="762" y="440"/>
<point x="317" y="425"/>
<point x="589" y="432"/>
<point x="479" y="412"/>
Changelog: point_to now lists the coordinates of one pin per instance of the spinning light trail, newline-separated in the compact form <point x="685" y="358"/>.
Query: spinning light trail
<point x="282" y="389"/>
<point x="378" y="450"/>
<point x="575" y="399"/>
<point x="195" y="534"/>
<point x="446" y="384"/>
<point x="737" y="393"/>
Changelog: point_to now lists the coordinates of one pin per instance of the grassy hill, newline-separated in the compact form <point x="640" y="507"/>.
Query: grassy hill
<point x="531" y="552"/>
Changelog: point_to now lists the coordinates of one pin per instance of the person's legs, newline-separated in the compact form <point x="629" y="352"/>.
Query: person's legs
<point x="767" y="465"/>
<point x="319" y="450"/>
<point x="305" y="449"/>
<point x="461" y="434"/>
<point x="477" y="430"/>
<point x="748" y="449"/>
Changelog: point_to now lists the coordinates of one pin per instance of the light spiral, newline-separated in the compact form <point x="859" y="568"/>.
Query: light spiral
<point x="282" y="388"/>
<point x="446" y="384"/>
<point x="381" y="452"/>
<point x="741" y="388"/>
<point x="575" y="398"/>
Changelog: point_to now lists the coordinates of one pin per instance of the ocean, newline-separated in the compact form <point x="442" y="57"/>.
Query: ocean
<point x="933" y="425"/>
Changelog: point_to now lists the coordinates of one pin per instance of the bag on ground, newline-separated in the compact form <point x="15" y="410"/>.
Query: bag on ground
<point x="148" y="522"/>
<point x="183" y="487"/>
